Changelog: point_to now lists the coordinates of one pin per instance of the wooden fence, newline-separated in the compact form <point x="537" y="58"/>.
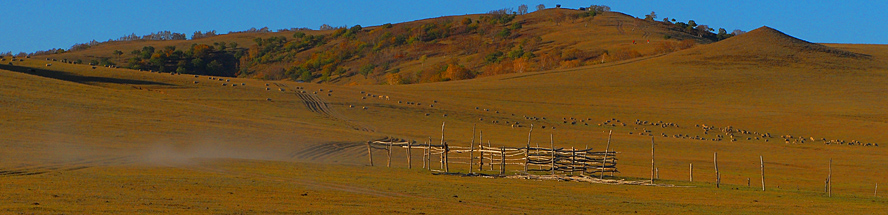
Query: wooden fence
<point x="490" y="158"/>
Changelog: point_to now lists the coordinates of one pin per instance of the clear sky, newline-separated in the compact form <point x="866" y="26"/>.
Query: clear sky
<point x="28" y="26"/>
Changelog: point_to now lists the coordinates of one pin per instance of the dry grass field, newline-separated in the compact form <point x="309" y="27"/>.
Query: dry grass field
<point x="109" y="141"/>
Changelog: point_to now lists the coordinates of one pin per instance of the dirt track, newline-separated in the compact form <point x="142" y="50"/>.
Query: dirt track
<point x="317" y="105"/>
<point x="64" y="166"/>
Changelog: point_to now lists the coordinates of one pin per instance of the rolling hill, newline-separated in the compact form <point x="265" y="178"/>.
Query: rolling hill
<point x="113" y="140"/>
<point x="429" y="50"/>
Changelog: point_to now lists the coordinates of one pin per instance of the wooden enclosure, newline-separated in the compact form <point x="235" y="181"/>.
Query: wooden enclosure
<point x="501" y="159"/>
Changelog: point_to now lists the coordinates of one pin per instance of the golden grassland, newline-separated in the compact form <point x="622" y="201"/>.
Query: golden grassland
<point x="103" y="140"/>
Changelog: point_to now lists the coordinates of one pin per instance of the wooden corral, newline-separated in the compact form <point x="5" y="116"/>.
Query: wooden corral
<point x="523" y="160"/>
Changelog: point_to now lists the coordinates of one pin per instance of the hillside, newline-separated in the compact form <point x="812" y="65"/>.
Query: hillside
<point x="102" y="140"/>
<point x="430" y="50"/>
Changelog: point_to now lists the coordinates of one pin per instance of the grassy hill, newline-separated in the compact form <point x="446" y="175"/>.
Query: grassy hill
<point x="121" y="141"/>
<point x="430" y="50"/>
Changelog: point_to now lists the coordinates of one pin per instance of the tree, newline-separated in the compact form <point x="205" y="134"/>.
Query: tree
<point x="722" y="34"/>
<point x="325" y="27"/>
<point x="118" y="53"/>
<point x="737" y="32"/>
<point x="651" y="17"/>
<point x="522" y="9"/>
<point x="599" y="8"/>
<point x="704" y="28"/>
<point x="541" y="7"/>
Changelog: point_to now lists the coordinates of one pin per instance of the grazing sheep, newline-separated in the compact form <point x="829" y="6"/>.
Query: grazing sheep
<point x="365" y="107"/>
<point x="427" y="114"/>
<point x="195" y="82"/>
<point x="281" y="89"/>
<point x="196" y="76"/>
<point x="48" y="64"/>
<point x="445" y="114"/>
<point x="267" y="89"/>
<point x="94" y="67"/>
<point x="223" y="84"/>
<point x="268" y="99"/>
<point x="266" y="84"/>
<point x="351" y="106"/>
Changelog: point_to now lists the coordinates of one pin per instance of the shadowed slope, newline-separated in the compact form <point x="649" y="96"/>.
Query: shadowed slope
<point x="766" y="46"/>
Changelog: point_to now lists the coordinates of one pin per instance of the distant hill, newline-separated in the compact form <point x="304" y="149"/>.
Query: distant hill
<point x="766" y="46"/>
<point x="429" y="50"/>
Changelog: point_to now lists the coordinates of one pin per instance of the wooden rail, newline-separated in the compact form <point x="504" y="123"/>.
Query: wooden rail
<point x="524" y="160"/>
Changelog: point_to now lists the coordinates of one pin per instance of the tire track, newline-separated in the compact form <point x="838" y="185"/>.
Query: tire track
<point x="327" y="150"/>
<point x="64" y="166"/>
<point x="317" y="105"/>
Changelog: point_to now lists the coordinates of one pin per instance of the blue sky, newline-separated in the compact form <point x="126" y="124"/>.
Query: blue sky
<point x="40" y="25"/>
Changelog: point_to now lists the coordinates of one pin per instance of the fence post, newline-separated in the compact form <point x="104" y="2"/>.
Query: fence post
<point x="604" y="160"/>
<point x="717" y="176"/>
<point x="472" y="152"/>
<point x="424" y="153"/>
<point x="370" y="153"/>
<point x="503" y="160"/>
<point x="409" y="160"/>
<point x="443" y="156"/>
<point x="389" y="164"/>
<point x="446" y="158"/>
<point x="652" y="160"/>
<point x="552" y="144"/>
<point x="527" y="149"/>
<point x="481" y="150"/>
<point x="692" y="172"/>
<point x="829" y="180"/>
<point x="429" y="153"/>
<point x="762" y="160"/>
